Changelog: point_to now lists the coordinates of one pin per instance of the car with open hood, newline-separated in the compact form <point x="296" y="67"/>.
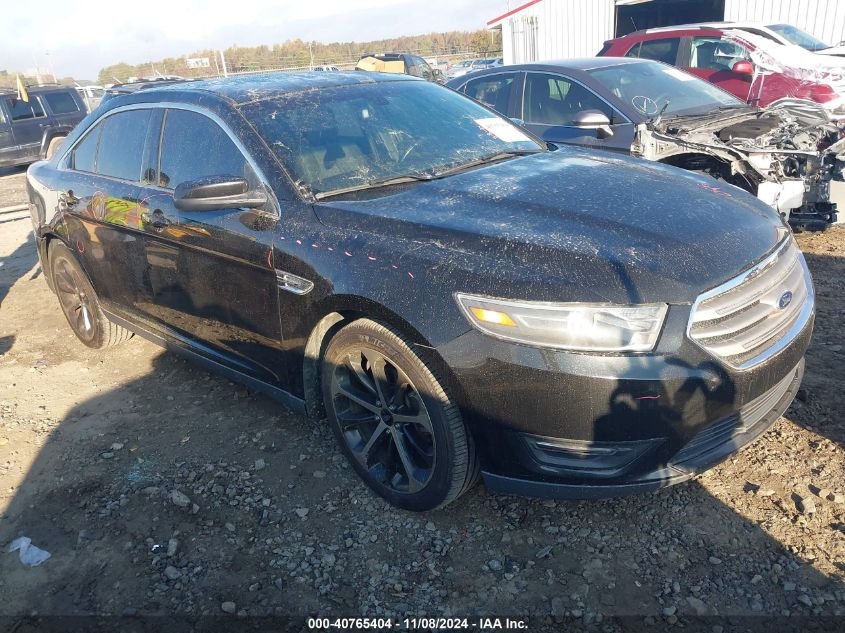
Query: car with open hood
<point x="786" y="155"/>
<point x="750" y="66"/>
<point x="451" y="299"/>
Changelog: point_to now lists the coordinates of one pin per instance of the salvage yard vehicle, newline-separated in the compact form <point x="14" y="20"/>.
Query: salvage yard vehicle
<point x="785" y="155"/>
<point x="35" y="128"/>
<point x="751" y="67"/>
<point x="785" y="34"/>
<point x="453" y="297"/>
<point x="399" y="63"/>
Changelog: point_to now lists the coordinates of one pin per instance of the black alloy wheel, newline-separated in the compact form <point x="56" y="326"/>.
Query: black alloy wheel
<point x="394" y="420"/>
<point x="383" y="420"/>
<point x="75" y="302"/>
<point x="79" y="302"/>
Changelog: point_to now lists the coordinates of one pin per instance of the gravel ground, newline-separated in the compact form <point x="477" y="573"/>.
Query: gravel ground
<point x="159" y="488"/>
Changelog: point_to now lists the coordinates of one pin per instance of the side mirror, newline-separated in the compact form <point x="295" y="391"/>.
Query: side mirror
<point x="743" y="67"/>
<point x="594" y="120"/>
<point x="217" y="192"/>
<point x="437" y="75"/>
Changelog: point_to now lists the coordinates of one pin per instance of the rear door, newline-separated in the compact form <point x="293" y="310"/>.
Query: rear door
<point x="210" y="276"/>
<point x="28" y="120"/>
<point x="551" y="104"/>
<point x="100" y="197"/>
<point x="712" y="58"/>
<point x="66" y="107"/>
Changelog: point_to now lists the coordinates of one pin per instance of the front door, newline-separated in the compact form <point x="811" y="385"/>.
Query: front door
<point x="210" y="274"/>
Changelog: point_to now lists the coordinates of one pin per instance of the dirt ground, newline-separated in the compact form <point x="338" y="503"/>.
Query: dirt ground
<point x="161" y="489"/>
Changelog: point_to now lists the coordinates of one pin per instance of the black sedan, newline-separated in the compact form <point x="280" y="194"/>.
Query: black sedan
<point x="452" y="296"/>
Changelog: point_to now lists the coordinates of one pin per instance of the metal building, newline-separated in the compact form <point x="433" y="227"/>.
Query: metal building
<point x="556" y="29"/>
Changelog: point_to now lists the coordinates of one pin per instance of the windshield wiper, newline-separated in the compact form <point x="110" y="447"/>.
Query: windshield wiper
<point x="422" y="176"/>
<point x="656" y="118"/>
<point x="491" y="158"/>
<point x="375" y="184"/>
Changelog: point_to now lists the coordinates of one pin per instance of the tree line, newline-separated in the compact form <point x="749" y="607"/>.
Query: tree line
<point x="300" y="54"/>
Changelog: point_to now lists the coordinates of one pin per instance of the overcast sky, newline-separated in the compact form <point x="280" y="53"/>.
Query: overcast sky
<point x="80" y="37"/>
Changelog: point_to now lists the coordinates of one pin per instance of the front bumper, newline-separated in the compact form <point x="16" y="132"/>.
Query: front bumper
<point x="709" y="447"/>
<point x="559" y="424"/>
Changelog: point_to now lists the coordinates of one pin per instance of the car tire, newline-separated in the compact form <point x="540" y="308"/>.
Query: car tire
<point x="79" y="302"/>
<point x="394" y="419"/>
<point x="53" y="147"/>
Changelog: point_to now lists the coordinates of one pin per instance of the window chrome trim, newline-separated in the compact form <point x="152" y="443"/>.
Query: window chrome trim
<point x="172" y="105"/>
<point x="807" y="310"/>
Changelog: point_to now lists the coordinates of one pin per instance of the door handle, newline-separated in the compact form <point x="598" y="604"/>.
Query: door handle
<point x="157" y="220"/>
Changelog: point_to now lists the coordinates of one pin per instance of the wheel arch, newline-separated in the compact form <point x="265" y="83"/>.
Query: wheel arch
<point x="49" y="134"/>
<point x="341" y="311"/>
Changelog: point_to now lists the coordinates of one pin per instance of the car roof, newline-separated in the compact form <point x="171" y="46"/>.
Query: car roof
<point x="249" y="88"/>
<point x="681" y="29"/>
<point x="578" y="63"/>
<point x="37" y="89"/>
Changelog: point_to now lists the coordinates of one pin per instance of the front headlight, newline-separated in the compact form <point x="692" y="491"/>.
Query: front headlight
<point x="575" y="326"/>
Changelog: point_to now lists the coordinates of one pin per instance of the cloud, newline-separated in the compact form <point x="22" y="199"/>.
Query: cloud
<point x="78" y="38"/>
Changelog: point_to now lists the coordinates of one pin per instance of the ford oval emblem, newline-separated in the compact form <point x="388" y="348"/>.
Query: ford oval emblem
<point x="785" y="299"/>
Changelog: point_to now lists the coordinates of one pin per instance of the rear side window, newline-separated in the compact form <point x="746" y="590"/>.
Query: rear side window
<point x="85" y="153"/>
<point x="21" y="110"/>
<point x="122" y="144"/>
<point x="494" y="92"/>
<point x="194" y="146"/>
<point x="665" y="50"/>
<point x="61" y="102"/>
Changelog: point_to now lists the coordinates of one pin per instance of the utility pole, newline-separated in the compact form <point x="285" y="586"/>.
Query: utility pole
<point x="223" y="62"/>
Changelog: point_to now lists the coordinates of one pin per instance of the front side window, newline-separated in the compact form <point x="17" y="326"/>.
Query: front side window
<point x="122" y="144"/>
<point x="358" y="135"/>
<point x="21" y="110"/>
<point x="552" y="100"/>
<point x="493" y="91"/>
<point x="61" y="102"/>
<point x="714" y="53"/>
<point x="193" y="146"/>
<point x="662" y="50"/>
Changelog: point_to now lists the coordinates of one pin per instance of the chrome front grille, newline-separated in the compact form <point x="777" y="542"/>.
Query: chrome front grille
<point x="756" y="314"/>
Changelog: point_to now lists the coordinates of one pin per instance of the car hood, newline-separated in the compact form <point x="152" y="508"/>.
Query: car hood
<point x="576" y="225"/>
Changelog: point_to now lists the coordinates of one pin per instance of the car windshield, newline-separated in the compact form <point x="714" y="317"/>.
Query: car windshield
<point x="799" y="37"/>
<point x="652" y="88"/>
<point x="357" y="136"/>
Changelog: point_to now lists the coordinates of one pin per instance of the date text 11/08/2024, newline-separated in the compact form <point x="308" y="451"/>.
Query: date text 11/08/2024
<point x="417" y="624"/>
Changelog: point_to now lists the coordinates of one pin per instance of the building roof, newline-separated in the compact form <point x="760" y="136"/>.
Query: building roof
<point x="495" y="21"/>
